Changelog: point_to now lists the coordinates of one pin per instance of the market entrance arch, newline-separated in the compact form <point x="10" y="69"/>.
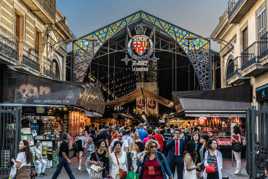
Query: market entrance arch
<point x="194" y="47"/>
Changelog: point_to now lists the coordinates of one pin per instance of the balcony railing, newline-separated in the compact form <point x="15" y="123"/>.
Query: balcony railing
<point x="233" y="5"/>
<point x="255" y="52"/>
<point x="8" y="48"/>
<point x="263" y="45"/>
<point x="231" y="74"/>
<point x="249" y="56"/>
<point x="238" y="8"/>
<point x="234" y="71"/>
<point x="44" y="9"/>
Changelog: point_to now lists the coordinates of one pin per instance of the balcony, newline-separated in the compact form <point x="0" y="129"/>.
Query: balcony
<point x="31" y="59"/>
<point x="254" y="57"/>
<point x="44" y="9"/>
<point x="8" y="49"/>
<point x="233" y="74"/>
<point x="249" y="56"/>
<point x="238" y="8"/>
<point x="47" y="71"/>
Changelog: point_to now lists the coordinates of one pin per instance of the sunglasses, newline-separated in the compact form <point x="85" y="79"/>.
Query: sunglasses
<point x="154" y="146"/>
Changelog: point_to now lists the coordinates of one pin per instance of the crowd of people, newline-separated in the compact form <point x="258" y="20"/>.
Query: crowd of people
<point x="141" y="152"/>
<point x="144" y="152"/>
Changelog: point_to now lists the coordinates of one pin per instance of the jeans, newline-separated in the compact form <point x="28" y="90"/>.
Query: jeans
<point x="41" y="166"/>
<point x="237" y="156"/>
<point x="65" y="164"/>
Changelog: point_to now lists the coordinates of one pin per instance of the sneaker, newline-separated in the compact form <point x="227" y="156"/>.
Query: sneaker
<point x="79" y="168"/>
<point x="237" y="172"/>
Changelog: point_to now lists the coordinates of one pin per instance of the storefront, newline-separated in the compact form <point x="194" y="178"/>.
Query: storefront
<point x="218" y="127"/>
<point x="214" y="112"/>
<point x="49" y="108"/>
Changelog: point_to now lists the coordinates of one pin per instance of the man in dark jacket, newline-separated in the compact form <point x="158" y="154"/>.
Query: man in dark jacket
<point x="175" y="150"/>
<point x="64" y="160"/>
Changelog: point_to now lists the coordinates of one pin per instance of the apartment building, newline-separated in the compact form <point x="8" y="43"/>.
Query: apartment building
<point x="33" y="37"/>
<point x="243" y="38"/>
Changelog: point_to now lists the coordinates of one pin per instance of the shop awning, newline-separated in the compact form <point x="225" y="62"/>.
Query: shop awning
<point x="234" y="101"/>
<point x="23" y="88"/>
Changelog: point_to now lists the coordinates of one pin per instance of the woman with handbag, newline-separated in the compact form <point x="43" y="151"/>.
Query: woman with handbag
<point x="23" y="161"/>
<point x="118" y="161"/>
<point x="237" y="148"/>
<point x="153" y="164"/>
<point x="190" y="168"/>
<point x="98" y="160"/>
<point x="213" y="161"/>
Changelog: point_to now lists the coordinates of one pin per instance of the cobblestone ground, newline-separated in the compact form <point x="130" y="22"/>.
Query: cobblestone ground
<point x="227" y="172"/>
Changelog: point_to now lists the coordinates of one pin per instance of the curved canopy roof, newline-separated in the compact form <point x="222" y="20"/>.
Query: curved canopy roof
<point x="179" y="34"/>
<point x="195" y="46"/>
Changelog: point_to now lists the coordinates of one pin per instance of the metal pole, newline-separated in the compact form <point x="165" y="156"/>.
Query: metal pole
<point x="93" y="54"/>
<point x="108" y="77"/>
<point x="18" y="127"/>
<point x="189" y="79"/>
<point x="194" y="80"/>
<point x="188" y="46"/>
<point x="175" y="68"/>
<point x="253" y="154"/>
<point x="173" y="71"/>
<point x="114" y="79"/>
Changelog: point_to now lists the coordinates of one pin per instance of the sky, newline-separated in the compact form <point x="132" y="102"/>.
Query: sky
<point x="198" y="16"/>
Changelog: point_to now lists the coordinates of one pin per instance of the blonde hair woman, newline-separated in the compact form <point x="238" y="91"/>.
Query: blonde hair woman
<point x="153" y="164"/>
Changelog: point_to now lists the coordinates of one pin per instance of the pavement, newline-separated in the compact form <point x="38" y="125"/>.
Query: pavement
<point x="228" y="171"/>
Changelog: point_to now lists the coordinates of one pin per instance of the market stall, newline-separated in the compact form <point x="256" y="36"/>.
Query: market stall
<point x="219" y="127"/>
<point x="215" y="112"/>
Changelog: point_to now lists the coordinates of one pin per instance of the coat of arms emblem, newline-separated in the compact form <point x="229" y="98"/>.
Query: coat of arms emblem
<point x="140" y="47"/>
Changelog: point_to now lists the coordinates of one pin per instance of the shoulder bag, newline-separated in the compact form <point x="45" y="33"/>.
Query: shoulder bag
<point x="122" y="173"/>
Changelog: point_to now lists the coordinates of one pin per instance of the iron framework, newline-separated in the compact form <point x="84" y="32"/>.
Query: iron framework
<point x="196" y="47"/>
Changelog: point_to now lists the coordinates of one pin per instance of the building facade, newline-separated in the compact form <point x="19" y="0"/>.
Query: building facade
<point x="243" y="38"/>
<point x="242" y="35"/>
<point x="33" y="36"/>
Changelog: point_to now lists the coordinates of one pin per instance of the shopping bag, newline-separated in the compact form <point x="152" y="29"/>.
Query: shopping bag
<point x="132" y="175"/>
<point x="13" y="172"/>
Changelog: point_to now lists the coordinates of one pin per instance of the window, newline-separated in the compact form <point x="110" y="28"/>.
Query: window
<point x="245" y="38"/>
<point x="261" y="22"/>
<point x="19" y="31"/>
<point x="19" y="27"/>
<point x="37" y="42"/>
<point x="55" y="70"/>
<point x="230" y="66"/>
